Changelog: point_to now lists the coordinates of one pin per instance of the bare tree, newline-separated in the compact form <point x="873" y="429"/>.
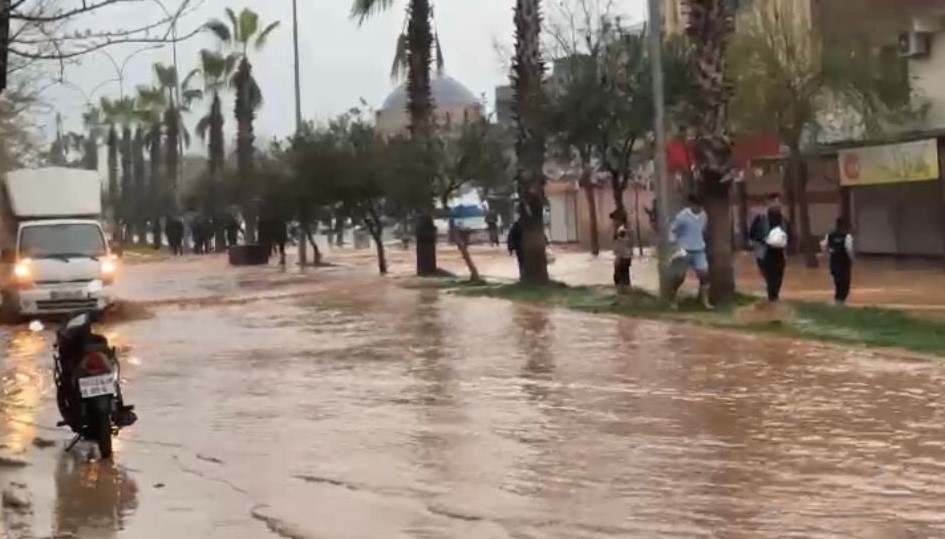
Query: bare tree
<point x="64" y="30"/>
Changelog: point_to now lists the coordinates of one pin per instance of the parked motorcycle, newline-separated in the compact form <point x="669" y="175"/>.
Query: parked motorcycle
<point x="88" y="391"/>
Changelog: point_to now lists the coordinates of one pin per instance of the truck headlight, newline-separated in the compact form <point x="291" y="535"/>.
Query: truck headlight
<point x="109" y="268"/>
<point x="23" y="271"/>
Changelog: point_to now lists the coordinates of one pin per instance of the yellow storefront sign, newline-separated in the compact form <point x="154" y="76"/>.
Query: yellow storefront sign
<point x="892" y="163"/>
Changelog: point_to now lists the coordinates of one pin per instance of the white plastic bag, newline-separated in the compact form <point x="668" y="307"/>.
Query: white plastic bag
<point x="777" y="238"/>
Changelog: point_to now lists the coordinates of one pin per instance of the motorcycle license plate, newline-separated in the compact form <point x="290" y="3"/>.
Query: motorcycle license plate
<point x="96" y="386"/>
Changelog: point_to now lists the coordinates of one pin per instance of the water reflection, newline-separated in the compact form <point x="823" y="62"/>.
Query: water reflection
<point x="532" y="327"/>
<point x="24" y="375"/>
<point x="93" y="499"/>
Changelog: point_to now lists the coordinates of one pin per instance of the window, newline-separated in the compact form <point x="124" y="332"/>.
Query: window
<point x="63" y="240"/>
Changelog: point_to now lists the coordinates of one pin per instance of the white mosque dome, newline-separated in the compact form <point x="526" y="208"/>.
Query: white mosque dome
<point x="447" y="93"/>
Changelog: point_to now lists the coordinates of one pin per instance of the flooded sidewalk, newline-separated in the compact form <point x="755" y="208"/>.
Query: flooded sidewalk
<point x="339" y="405"/>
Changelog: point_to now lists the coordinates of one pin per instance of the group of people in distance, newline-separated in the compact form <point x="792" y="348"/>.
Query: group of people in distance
<point x="769" y="235"/>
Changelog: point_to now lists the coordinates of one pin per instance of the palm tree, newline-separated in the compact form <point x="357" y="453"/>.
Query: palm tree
<point x="528" y="106"/>
<point x="174" y="131"/>
<point x="414" y="48"/>
<point x="92" y="121"/>
<point x="125" y="115"/>
<point x="110" y="111"/>
<point x="213" y="71"/>
<point x="711" y="24"/>
<point x="243" y="33"/>
<point x="152" y="113"/>
<point x="139" y="188"/>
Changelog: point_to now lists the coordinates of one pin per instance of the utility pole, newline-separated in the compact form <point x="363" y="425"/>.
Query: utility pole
<point x="664" y="187"/>
<point x="303" y="227"/>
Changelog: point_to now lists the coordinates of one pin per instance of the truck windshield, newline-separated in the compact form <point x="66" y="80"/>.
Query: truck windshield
<point x="54" y="241"/>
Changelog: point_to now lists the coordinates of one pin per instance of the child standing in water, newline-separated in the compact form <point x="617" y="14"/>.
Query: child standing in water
<point x="838" y="245"/>
<point x="623" y="259"/>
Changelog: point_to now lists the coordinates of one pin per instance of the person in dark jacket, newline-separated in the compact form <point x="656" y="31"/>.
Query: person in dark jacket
<point x="174" y="230"/>
<point x="771" y="259"/>
<point x="839" y="247"/>
<point x="514" y="241"/>
<point x="492" y="225"/>
<point x="774" y="260"/>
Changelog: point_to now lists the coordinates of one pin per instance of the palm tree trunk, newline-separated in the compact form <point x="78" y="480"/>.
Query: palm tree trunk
<point x="528" y="106"/>
<point x="155" y="188"/>
<point x="216" y="158"/>
<point x="113" y="194"/>
<point x="420" y="107"/>
<point x="127" y="179"/>
<point x="171" y="157"/>
<point x="137" y="196"/>
<point x="243" y="111"/>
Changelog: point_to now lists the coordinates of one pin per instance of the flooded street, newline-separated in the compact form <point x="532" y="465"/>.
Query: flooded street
<point x="340" y="405"/>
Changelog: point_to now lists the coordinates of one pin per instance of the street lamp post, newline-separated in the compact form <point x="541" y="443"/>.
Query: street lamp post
<point x="663" y="185"/>
<point x="120" y="69"/>
<point x="303" y="256"/>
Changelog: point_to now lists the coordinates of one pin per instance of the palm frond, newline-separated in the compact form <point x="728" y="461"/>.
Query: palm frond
<point x="189" y="79"/>
<point x="219" y="29"/>
<point x="255" y="94"/>
<point x="235" y="24"/>
<point x="400" y="65"/>
<point x="203" y="125"/>
<point x="439" y="55"/>
<point x="363" y="10"/>
<point x="248" y="25"/>
<point x="261" y="39"/>
<point x="191" y="95"/>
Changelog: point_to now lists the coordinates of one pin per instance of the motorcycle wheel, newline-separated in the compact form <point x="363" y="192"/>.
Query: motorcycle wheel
<point x="101" y="426"/>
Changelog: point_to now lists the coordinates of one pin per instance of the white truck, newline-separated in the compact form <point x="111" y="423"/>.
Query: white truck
<point x="54" y="256"/>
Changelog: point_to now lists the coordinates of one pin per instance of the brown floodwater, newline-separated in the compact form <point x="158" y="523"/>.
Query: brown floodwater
<point x="343" y="406"/>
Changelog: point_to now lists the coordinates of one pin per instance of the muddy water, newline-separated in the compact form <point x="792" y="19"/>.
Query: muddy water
<point x="350" y="408"/>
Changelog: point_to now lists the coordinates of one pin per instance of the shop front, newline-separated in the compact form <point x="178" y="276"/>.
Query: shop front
<point x="894" y="194"/>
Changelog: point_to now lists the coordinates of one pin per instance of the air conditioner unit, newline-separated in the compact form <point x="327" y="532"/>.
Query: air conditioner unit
<point x="915" y="44"/>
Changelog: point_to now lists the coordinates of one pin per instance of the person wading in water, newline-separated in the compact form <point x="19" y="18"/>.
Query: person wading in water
<point x="688" y="232"/>
<point x="838" y="245"/>
<point x="769" y="235"/>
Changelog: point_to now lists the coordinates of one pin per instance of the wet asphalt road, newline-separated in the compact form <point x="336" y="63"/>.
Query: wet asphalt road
<point x="340" y="405"/>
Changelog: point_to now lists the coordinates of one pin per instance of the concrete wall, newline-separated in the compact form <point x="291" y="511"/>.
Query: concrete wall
<point x="605" y="205"/>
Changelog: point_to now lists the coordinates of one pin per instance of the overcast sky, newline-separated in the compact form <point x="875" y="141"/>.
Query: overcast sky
<point x="340" y="61"/>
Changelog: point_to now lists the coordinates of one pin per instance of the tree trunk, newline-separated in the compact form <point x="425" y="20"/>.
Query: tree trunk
<point x="719" y="248"/>
<point x="590" y="193"/>
<point x="534" y="268"/>
<point x="426" y="236"/>
<point x="155" y="189"/>
<point x="528" y="106"/>
<point x="420" y="107"/>
<point x="636" y="217"/>
<point x="790" y="200"/>
<point x="805" y="244"/>
<point x="140" y="217"/>
<point x="376" y="229"/>
<point x="316" y="252"/>
<point x="113" y="194"/>
<point x="171" y="157"/>
<point x="462" y="243"/>
<point x="243" y="111"/>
